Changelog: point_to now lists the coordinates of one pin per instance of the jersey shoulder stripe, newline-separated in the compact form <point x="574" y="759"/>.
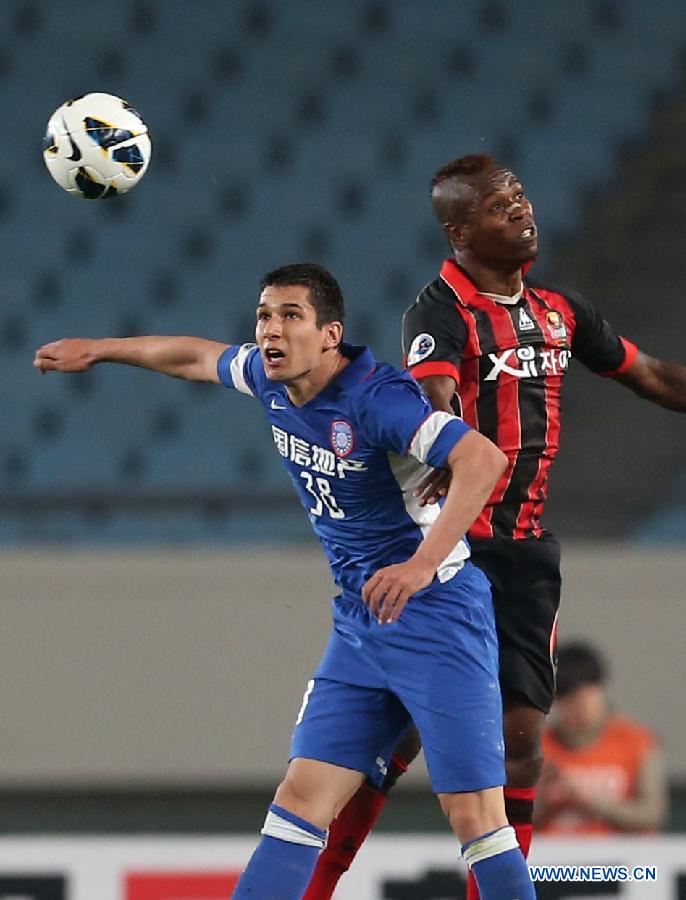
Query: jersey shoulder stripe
<point x="236" y="367"/>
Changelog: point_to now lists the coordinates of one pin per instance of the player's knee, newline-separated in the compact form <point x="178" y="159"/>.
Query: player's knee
<point x="523" y="747"/>
<point x="524" y="770"/>
<point x="473" y="814"/>
<point x="302" y="798"/>
<point x="292" y="791"/>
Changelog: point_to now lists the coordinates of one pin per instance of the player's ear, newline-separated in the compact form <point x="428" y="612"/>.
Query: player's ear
<point x="333" y="334"/>
<point x="457" y="234"/>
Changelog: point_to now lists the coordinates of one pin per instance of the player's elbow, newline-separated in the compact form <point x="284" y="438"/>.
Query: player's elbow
<point x="492" y="462"/>
<point x="494" y="459"/>
<point x="485" y="458"/>
<point x="501" y="461"/>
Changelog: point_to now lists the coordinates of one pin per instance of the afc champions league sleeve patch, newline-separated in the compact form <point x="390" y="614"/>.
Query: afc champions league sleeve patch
<point x="342" y="438"/>
<point x="421" y="347"/>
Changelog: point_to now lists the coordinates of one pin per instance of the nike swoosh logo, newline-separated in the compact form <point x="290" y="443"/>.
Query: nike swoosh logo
<point x="275" y="405"/>
<point x="75" y="152"/>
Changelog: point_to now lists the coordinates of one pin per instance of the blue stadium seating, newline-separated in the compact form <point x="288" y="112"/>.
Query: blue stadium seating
<point x="287" y="131"/>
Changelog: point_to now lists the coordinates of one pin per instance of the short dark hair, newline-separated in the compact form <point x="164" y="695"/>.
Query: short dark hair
<point x="578" y="665"/>
<point x="325" y="291"/>
<point x="465" y="167"/>
<point x="452" y="193"/>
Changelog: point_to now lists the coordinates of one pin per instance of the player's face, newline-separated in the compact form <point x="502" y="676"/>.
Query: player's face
<point x="500" y="227"/>
<point x="290" y="342"/>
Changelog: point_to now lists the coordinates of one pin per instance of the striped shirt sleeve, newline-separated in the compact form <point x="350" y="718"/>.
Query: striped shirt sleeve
<point x="235" y="367"/>
<point x="398" y="417"/>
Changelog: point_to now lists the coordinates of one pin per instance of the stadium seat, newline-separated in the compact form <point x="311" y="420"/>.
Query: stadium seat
<point x="293" y="133"/>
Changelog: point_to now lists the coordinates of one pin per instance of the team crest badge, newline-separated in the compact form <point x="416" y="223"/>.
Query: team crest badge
<point x="556" y="326"/>
<point x="421" y="347"/>
<point x="342" y="438"/>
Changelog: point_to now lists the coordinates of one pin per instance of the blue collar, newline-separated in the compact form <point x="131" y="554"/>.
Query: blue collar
<point x="361" y="366"/>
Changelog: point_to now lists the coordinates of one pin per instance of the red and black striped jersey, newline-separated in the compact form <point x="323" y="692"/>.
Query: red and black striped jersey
<point x="508" y="362"/>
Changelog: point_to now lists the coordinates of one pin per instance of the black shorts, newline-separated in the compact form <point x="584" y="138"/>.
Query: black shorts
<point x="525" y="578"/>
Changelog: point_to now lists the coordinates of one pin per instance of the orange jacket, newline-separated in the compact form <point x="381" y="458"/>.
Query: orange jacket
<point x="609" y="768"/>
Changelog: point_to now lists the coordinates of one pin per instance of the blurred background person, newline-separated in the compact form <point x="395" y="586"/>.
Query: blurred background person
<point x="603" y="773"/>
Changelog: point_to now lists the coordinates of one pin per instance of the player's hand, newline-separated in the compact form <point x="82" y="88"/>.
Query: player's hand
<point x="68" y="355"/>
<point x="433" y="487"/>
<point x="389" y="589"/>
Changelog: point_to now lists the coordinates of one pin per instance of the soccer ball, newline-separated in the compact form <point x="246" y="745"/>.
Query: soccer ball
<point x="96" y="146"/>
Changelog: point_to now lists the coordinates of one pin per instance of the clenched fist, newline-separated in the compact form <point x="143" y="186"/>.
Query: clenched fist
<point x="67" y="355"/>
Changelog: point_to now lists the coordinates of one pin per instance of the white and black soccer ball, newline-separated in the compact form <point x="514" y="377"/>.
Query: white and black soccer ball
<point x="96" y="146"/>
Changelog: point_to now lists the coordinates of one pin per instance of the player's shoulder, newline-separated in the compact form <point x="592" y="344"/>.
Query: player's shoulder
<point x="434" y="295"/>
<point x="251" y="356"/>
<point x="386" y="375"/>
<point x="552" y="289"/>
<point x="249" y="360"/>
<point x="434" y="318"/>
<point x="386" y="380"/>
<point x="387" y="392"/>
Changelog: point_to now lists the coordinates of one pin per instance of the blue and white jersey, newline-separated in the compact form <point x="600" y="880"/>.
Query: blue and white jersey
<point x="355" y="453"/>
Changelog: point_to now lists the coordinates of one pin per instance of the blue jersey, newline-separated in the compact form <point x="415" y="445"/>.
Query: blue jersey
<point x="355" y="453"/>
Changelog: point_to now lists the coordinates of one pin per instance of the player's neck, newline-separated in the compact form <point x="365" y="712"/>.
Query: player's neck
<point x="302" y="389"/>
<point x="506" y="281"/>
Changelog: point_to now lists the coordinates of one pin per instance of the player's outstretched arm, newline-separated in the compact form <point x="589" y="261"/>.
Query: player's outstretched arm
<point x="194" y="359"/>
<point x="475" y="465"/>
<point x="654" y="379"/>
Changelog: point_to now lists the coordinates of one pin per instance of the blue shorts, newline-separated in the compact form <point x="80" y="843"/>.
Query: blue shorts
<point x="437" y="666"/>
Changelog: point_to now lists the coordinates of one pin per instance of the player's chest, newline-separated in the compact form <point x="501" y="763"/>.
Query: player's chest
<point x="332" y="467"/>
<point x="323" y="441"/>
<point x="519" y="342"/>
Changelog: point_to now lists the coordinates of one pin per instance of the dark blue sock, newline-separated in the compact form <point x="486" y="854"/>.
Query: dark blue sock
<point x="499" y="867"/>
<point x="282" y="865"/>
<point x="504" y="877"/>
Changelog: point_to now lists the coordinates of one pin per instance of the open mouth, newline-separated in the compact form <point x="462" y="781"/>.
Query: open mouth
<point x="528" y="233"/>
<point x="274" y="355"/>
